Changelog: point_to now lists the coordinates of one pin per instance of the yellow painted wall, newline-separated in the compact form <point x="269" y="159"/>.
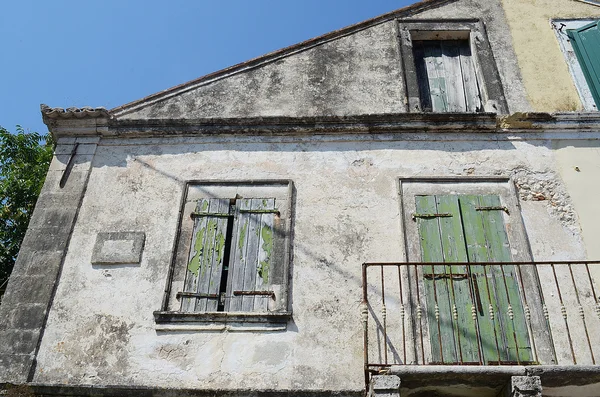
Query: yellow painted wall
<point x="546" y="76"/>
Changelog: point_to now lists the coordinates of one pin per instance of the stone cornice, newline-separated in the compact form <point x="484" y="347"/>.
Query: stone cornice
<point x="103" y="125"/>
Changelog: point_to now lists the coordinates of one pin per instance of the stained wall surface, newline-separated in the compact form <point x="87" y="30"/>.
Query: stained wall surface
<point x="359" y="72"/>
<point x="101" y="328"/>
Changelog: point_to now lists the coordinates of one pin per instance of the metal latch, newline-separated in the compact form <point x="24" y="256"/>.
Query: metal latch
<point x="196" y="295"/>
<point x="444" y="215"/>
<point x="251" y="293"/>
<point x="493" y="208"/>
<point x="439" y="276"/>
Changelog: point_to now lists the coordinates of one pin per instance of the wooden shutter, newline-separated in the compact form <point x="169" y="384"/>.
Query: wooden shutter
<point x="470" y="228"/>
<point x="487" y="241"/>
<point x="251" y="256"/>
<point x="586" y="44"/>
<point x="205" y="263"/>
<point x="446" y="76"/>
<point x="442" y="240"/>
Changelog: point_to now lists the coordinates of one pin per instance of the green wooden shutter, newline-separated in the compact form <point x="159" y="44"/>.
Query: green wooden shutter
<point x="451" y="325"/>
<point x="251" y="255"/>
<point x="446" y="76"/>
<point x="473" y="232"/>
<point x="586" y="44"/>
<point x="205" y="263"/>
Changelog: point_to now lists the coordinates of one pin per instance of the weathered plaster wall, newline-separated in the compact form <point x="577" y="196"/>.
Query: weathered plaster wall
<point x="359" y="73"/>
<point x="101" y="328"/>
<point x="546" y="77"/>
<point x="579" y="167"/>
<point x="355" y="74"/>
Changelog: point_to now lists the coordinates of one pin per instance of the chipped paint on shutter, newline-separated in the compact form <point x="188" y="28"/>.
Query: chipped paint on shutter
<point x="251" y="255"/>
<point x="205" y="263"/>
<point x="473" y="236"/>
<point x="446" y="76"/>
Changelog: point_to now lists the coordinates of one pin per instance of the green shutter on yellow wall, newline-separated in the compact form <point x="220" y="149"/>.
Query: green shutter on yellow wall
<point x="470" y="234"/>
<point x="586" y="44"/>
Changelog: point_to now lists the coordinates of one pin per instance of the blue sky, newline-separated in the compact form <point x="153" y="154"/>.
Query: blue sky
<point x="107" y="53"/>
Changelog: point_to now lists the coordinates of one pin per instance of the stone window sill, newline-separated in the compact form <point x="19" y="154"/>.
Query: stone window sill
<point x="219" y="321"/>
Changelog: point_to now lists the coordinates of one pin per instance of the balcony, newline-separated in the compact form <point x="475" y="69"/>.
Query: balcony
<point x="478" y="318"/>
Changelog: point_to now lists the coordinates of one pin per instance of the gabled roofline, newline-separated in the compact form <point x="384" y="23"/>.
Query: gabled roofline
<point x="276" y="55"/>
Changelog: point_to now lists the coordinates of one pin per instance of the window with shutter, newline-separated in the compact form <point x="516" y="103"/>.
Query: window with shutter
<point x="233" y="254"/>
<point x="586" y="44"/>
<point x="449" y="67"/>
<point x="446" y="76"/>
<point x="472" y="230"/>
<point x="572" y="35"/>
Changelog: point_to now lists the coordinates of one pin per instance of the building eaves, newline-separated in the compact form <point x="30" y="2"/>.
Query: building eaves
<point x="85" y="112"/>
<point x="404" y="12"/>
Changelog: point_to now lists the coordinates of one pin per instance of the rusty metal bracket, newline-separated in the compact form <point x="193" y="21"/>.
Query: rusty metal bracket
<point x="493" y="208"/>
<point x="273" y="211"/>
<point x="439" y="276"/>
<point x="251" y="293"/>
<point x="444" y="215"/>
<point x="195" y="295"/>
<point x="204" y="214"/>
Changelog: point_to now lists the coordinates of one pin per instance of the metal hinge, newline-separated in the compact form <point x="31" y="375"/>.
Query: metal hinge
<point x="251" y="293"/>
<point x="444" y="215"/>
<point x="493" y="208"/>
<point x="453" y="276"/>
<point x="223" y="215"/>
<point x="196" y="295"/>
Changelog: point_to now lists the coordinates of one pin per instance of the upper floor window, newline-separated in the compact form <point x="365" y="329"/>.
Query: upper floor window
<point x="446" y="76"/>
<point x="449" y="67"/>
<point x="580" y="42"/>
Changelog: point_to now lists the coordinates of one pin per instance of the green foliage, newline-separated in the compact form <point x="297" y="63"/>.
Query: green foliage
<point x="24" y="160"/>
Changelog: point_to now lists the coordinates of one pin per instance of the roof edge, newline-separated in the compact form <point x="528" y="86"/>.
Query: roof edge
<point x="275" y="55"/>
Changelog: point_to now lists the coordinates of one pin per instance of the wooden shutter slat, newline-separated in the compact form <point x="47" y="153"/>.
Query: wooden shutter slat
<point x="188" y="304"/>
<point x="214" y="249"/>
<point x="237" y="257"/>
<point x="453" y="73"/>
<point x="436" y="76"/>
<point x="251" y="261"/>
<point x="265" y="254"/>
<point x="454" y="250"/>
<point x="492" y="339"/>
<point x="469" y="77"/>
<point x="431" y="251"/>
<point x="506" y="282"/>
<point x="205" y="260"/>
<point x="422" y="79"/>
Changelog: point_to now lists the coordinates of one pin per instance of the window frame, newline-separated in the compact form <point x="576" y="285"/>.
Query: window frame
<point x="581" y="84"/>
<point x="488" y="78"/>
<point x="179" y="259"/>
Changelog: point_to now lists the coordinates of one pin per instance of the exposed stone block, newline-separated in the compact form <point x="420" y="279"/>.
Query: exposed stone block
<point x="18" y="341"/>
<point x="523" y="386"/>
<point x="46" y="238"/>
<point x="385" y="386"/>
<point x="27" y="289"/>
<point x="14" y="368"/>
<point x="29" y="316"/>
<point x="118" y="248"/>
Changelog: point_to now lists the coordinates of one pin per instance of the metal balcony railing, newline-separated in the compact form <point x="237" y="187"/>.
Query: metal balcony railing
<point x="517" y="313"/>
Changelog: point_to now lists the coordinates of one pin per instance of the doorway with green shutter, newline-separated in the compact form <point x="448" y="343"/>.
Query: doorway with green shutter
<point x="466" y="308"/>
<point x="475" y="313"/>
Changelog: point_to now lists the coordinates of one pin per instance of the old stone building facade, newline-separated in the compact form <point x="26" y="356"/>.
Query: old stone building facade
<point x="286" y="225"/>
